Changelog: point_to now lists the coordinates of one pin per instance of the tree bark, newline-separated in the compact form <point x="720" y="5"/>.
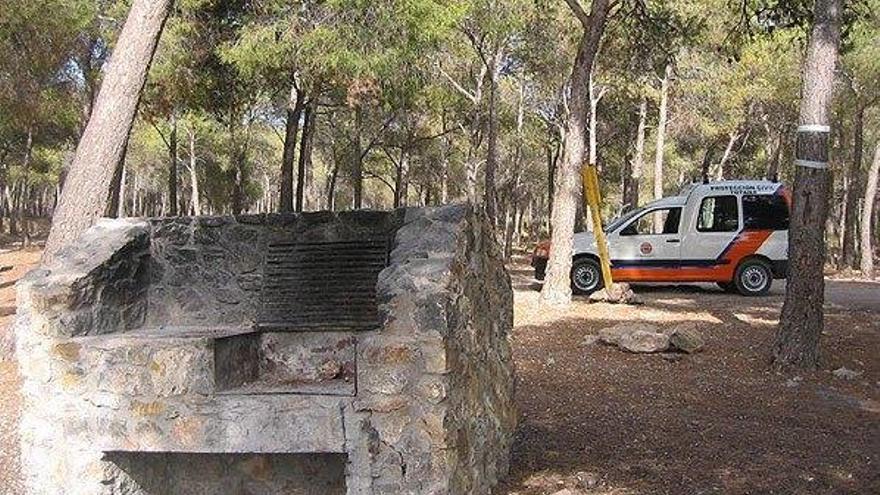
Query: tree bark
<point x="86" y="192"/>
<point x="661" y="133"/>
<point x="295" y="106"/>
<point x="801" y="322"/>
<point x="557" y="286"/>
<point x="849" y="251"/>
<point x="867" y="261"/>
<point x="305" y="151"/>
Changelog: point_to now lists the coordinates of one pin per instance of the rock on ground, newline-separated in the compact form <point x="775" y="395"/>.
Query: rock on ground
<point x="641" y="341"/>
<point x="686" y="338"/>
<point x="613" y="335"/>
<point x="616" y="294"/>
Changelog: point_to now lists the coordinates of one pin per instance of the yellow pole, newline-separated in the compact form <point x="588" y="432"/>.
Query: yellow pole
<point x="593" y="200"/>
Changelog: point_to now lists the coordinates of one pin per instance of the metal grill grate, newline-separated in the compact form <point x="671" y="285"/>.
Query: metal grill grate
<point x="322" y="285"/>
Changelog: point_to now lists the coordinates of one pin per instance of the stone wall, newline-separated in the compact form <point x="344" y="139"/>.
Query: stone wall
<point x="138" y="350"/>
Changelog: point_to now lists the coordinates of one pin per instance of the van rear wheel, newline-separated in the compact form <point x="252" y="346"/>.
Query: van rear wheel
<point x="753" y="278"/>
<point x="586" y="276"/>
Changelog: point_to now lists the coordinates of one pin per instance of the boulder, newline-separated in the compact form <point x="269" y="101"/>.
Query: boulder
<point x="641" y="341"/>
<point x="616" y="294"/>
<point x="686" y="338"/>
<point x="613" y="335"/>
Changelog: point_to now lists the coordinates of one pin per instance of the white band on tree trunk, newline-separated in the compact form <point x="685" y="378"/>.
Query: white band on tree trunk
<point x="814" y="128"/>
<point x="811" y="164"/>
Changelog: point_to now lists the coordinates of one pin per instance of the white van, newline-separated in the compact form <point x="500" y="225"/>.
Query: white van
<point x="733" y="233"/>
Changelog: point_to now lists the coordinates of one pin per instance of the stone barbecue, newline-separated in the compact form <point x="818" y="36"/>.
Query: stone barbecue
<point x="318" y="353"/>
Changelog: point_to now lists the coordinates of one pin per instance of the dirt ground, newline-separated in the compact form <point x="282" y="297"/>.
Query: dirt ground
<point x="596" y="420"/>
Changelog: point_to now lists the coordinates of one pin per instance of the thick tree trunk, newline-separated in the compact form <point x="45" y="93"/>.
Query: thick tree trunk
<point x="305" y="152"/>
<point x="295" y="106"/>
<point x="801" y="322"/>
<point x="849" y="251"/>
<point x="631" y="189"/>
<point x="557" y="286"/>
<point x="661" y="133"/>
<point x="86" y="190"/>
<point x="195" y="202"/>
<point x="867" y="251"/>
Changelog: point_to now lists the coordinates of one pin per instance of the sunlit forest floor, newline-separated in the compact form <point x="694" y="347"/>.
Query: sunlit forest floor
<point x="595" y="420"/>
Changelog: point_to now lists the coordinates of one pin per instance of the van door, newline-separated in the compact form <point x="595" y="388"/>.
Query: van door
<point x="709" y="236"/>
<point x="648" y="247"/>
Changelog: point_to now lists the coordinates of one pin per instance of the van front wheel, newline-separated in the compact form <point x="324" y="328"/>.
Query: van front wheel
<point x="753" y="278"/>
<point x="586" y="276"/>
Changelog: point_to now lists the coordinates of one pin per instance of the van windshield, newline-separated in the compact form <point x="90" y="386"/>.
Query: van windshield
<point x="617" y="222"/>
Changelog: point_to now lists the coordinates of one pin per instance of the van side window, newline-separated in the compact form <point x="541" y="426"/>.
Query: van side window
<point x="656" y="222"/>
<point x="765" y="212"/>
<point x="718" y="214"/>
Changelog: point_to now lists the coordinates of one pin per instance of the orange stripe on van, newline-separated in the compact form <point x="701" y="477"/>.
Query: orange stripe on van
<point x="746" y="243"/>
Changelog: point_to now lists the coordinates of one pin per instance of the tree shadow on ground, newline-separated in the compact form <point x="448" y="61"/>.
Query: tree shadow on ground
<point x="718" y="421"/>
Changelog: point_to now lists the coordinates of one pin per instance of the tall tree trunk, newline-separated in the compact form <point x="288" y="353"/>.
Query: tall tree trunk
<point x="732" y="138"/>
<point x="295" y="106"/>
<point x="357" y="172"/>
<point x="195" y="202"/>
<point x="305" y="151"/>
<point x="867" y="262"/>
<point x="22" y="207"/>
<point x="116" y="185"/>
<point x="172" y="168"/>
<point x="851" y="206"/>
<point x="661" y="133"/>
<point x="86" y="190"/>
<point x="557" y="286"/>
<point x="773" y="165"/>
<point x="491" y="194"/>
<point x="801" y="322"/>
<point x="631" y="191"/>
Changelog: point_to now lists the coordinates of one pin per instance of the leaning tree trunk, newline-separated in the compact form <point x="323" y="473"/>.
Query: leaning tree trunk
<point x="557" y="286"/>
<point x="867" y="263"/>
<point x="661" y="133"/>
<point x="801" y="323"/>
<point x="851" y="219"/>
<point x="87" y="187"/>
<point x="294" y="111"/>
